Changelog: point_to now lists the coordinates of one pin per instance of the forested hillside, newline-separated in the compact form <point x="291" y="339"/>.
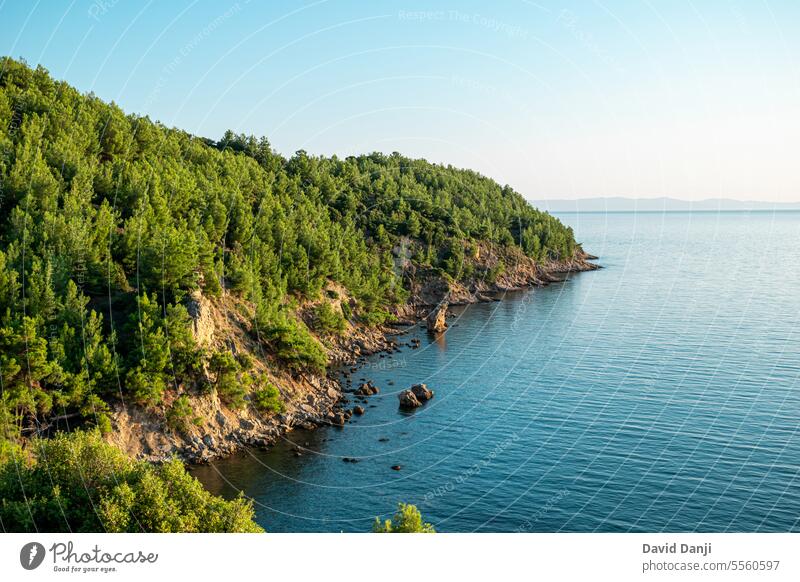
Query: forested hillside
<point x="109" y="222"/>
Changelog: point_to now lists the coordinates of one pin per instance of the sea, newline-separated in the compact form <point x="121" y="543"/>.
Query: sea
<point x="660" y="393"/>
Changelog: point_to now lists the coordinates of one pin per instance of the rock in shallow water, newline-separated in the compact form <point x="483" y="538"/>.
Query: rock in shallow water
<point x="415" y="396"/>
<point x="422" y="392"/>
<point x="408" y="399"/>
<point x="436" y="320"/>
<point x="367" y="389"/>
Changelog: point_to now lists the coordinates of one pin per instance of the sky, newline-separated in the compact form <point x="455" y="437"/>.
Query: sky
<point x="561" y="100"/>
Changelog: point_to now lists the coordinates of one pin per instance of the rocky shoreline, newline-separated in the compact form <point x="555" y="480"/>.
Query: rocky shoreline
<point x="313" y="400"/>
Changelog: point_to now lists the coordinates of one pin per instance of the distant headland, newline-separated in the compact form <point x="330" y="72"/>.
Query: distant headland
<point x="662" y="204"/>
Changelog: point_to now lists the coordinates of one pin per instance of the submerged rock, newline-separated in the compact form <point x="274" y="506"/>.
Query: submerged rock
<point x="367" y="389"/>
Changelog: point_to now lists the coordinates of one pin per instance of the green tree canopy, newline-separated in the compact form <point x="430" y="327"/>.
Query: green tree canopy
<point x="78" y="483"/>
<point x="113" y="221"/>
<point x="407" y="519"/>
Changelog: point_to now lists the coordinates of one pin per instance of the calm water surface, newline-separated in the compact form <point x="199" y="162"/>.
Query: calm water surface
<point x="660" y="393"/>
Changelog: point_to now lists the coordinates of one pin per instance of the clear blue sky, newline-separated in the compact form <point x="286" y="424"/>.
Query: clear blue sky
<point x="558" y="99"/>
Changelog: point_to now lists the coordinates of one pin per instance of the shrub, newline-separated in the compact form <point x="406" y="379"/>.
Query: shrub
<point x="97" y="412"/>
<point x="294" y="346"/>
<point x="375" y="316"/>
<point x="246" y="361"/>
<point x="181" y="414"/>
<point x="78" y="483"/>
<point x="147" y="389"/>
<point x="267" y="398"/>
<point x="494" y="272"/>
<point x="407" y="519"/>
<point x="230" y="387"/>
<point x="328" y="320"/>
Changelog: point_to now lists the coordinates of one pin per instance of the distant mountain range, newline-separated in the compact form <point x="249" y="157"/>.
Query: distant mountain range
<point x="619" y="204"/>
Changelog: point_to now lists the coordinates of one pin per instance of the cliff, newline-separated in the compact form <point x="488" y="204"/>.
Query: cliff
<point x="311" y="400"/>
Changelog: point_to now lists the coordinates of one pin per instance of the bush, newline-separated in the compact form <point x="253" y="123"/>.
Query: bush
<point x="230" y="387"/>
<point x="181" y="414"/>
<point x="147" y="389"/>
<point x="328" y="320"/>
<point x="294" y="345"/>
<point x="78" y="483"/>
<point x="267" y="398"/>
<point x="407" y="519"/>
<point x="494" y="272"/>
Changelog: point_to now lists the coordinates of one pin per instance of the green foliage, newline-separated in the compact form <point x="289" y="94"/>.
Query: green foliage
<point x="185" y="358"/>
<point x="230" y="385"/>
<point x="78" y="483"/>
<point x="407" y="519"/>
<point x="113" y="221"/>
<point x="267" y="398"/>
<point x="293" y="345"/>
<point x="149" y="354"/>
<point x="347" y="311"/>
<point x="180" y="415"/>
<point x="327" y="319"/>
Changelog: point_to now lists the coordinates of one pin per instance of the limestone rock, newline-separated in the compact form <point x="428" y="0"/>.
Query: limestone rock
<point x="199" y="308"/>
<point x="436" y="321"/>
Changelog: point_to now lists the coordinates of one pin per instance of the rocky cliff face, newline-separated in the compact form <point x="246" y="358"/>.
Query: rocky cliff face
<point x="311" y="400"/>
<point x="493" y="271"/>
<point x="216" y="430"/>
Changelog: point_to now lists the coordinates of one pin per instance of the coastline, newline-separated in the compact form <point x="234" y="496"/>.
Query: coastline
<point x="312" y="400"/>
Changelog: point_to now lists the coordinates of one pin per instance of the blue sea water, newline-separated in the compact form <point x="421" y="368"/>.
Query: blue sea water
<point x="661" y="393"/>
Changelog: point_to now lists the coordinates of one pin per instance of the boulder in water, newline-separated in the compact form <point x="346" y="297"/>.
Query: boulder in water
<point x="436" y="320"/>
<point x="408" y="399"/>
<point x="422" y="392"/>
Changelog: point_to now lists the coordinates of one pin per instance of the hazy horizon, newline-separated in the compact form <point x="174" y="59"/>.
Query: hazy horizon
<point x="561" y="101"/>
<point x="661" y="204"/>
<point x="671" y="199"/>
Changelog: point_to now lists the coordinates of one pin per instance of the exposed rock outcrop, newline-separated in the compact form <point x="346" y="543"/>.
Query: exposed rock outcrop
<point x="437" y="318"/>
<point x="312" y="400"/>
<point x="408" y="399"/>
<point x="415" y="396"/>
<point x="200" y="308"/>
<point x="367" y="389"/>
<point x="422" y="392"/>
<point x="494" y="269"/>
